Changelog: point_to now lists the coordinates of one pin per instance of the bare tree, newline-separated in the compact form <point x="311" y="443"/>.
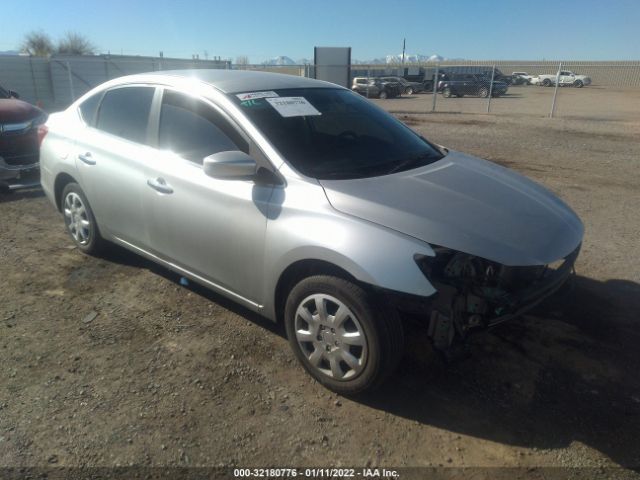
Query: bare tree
<point x="75" y="44"/>
<point x="38" y="44"/>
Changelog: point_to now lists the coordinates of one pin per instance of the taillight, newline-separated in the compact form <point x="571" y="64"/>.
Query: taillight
<point x="42" y="132"/>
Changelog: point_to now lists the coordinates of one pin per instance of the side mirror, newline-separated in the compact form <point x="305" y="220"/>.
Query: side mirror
<point x="232" y="165"/>
<point x="14" y="94"/>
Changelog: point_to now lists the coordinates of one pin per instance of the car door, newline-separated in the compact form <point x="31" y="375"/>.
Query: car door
<point x="212" y="228"/>
<point x="112" y="156"/>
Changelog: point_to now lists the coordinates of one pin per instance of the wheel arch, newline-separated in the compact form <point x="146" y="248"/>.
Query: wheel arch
<point x="300" y="270"/>
<point x="61" y="181"/>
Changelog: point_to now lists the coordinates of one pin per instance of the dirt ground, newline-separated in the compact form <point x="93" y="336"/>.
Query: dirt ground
<point x="109" y="361"/>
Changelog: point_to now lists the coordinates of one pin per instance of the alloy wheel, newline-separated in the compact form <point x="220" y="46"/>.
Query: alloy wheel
<point x="76" y="218"/>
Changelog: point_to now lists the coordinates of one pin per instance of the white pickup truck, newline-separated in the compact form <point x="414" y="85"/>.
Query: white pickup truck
<point x="566" y="78"/>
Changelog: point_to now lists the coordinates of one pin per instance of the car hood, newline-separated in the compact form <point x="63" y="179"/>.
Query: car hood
<point x="466" y="204"/>
<point x="14" y="111"/>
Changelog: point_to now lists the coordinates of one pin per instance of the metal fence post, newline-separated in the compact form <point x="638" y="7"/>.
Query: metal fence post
<point x="368" y="77"/>
<point x="555" y="92"/>
<point x="33" y="79"/>
<point x="73" y="97"/>
<point x="493" y="75"/>
<point x="435" y="88"/>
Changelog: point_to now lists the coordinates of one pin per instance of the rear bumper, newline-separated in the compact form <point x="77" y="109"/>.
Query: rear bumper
<point x="20" y="175"/>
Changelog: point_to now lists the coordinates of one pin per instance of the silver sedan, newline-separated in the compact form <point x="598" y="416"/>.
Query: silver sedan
<point x="306" y="203"/>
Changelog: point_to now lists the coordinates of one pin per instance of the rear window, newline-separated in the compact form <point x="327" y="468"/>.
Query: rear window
<point x="124" y="112"/>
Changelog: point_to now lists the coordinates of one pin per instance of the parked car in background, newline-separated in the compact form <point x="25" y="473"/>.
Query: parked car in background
<point x="521" y="78"/>
<point x="408" y="88"/>
<point x="566" y="78"/>
<point x="376" y="87"/>
<point x="21" y="131"/>
<point x="459" y="85"/>
<point x="305" y="203"/>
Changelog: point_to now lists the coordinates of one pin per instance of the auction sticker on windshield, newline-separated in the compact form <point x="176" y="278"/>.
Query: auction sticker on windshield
<point x="255" y="95"/>
<point x="293" y="106"/>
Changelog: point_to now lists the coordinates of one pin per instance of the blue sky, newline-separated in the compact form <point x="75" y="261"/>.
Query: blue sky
<point x="495" y="29"/>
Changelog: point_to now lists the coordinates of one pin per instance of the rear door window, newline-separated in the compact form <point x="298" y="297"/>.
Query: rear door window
<point x="124" y="112"/>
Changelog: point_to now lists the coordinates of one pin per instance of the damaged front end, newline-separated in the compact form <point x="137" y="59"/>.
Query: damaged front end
<point x="474" y="293"/>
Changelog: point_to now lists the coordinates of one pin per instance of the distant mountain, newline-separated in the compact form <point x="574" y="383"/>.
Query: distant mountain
<point x="10" y="52"/>
<point x="413" y="58"/>
<point x="281" y="60"/>
<point x="389" y="59"/>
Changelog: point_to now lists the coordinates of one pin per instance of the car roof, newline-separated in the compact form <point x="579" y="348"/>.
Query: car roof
<point x="232" y="81"/>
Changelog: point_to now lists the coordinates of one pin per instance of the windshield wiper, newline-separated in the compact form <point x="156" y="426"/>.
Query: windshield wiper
<point x="405" y="164"/>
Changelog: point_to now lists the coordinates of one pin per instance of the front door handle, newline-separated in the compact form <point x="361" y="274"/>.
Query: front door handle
<point x="87" y="158"/>
<point x="160" y="185"/>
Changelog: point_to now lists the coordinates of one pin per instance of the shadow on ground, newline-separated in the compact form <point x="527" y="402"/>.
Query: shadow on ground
<point x="567" y="372"/>
<point x="17" y="195"/>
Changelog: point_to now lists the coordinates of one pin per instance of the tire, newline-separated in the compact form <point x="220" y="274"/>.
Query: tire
<point x="460" y="95"/>
<point x="383" y="95"/>
<point x="409" y="91"/>
<point x="483" y="92"/>
<point x="375" y="335"/>
<point x="79" y="220"/>
<point x="578" y="84"/>
<point x="546" y="82"/>
<point x="446" y="93"/>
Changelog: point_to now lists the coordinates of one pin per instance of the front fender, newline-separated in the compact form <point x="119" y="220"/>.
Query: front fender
<point x="371" y="253"/>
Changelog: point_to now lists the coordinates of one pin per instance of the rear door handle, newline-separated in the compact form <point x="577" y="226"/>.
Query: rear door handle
<point x="160" y="185"/>
<point x="87" y="158"/>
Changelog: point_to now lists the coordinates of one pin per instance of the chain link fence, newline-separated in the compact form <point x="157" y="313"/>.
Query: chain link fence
<point x="599" y="90"/>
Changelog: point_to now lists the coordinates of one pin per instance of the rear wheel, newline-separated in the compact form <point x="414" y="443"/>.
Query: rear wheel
<point x="342" y="337"/>
<point x="578" y="84"/>
<point x="546" y="82"/>
<point x="383" y="94"/>
<point x="79" y="220"/>
<point x="409" y="91"/>
<point x="446" y="93"/>
<point x="483" y="92"/>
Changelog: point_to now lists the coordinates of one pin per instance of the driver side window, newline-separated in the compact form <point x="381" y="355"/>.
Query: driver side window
<point x="194" y="130"/>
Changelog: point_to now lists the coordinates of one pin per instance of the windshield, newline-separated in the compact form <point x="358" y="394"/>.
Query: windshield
<point x="336" y="134"/>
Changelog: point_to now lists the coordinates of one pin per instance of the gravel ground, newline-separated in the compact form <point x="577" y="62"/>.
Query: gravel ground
<point x="109" y="361"/>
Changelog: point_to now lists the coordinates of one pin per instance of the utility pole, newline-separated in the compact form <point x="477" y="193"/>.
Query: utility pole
<point x="404" y="44"/>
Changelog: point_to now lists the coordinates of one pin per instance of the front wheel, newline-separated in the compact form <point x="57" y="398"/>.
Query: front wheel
<point x="483" y="92"/>
<point x="342" y="337"/>
<point x="409" y="91"/>
<point x="446" y="93"/>
<point x="546" y="82"/>
<point x="383" y="94"/>
<point x="578" y="84"/>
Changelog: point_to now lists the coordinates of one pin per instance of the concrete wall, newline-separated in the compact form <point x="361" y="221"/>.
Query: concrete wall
<point x="55" y="82"/>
